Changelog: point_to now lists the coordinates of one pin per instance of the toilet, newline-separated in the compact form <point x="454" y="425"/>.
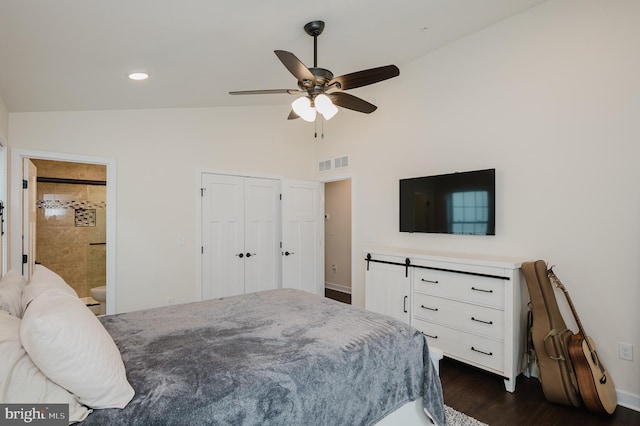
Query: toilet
<point x="100" y="294"/>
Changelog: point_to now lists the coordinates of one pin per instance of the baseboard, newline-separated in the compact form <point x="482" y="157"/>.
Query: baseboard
<point x="624" y="399"/>
<point x="628" y="400"/>
<point x="337" y="287"/>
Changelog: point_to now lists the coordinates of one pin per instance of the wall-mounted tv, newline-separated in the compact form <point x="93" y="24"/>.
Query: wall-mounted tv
<point x="456" y="203"/>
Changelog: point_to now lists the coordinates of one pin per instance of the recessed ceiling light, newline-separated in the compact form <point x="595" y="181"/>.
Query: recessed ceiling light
<point x="139" y="75"/>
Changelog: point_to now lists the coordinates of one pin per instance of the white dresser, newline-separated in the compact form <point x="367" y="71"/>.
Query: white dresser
<point x="470" y="307"/>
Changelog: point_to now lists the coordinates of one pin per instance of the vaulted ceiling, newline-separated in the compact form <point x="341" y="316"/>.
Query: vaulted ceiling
<point x="76" y="54"/>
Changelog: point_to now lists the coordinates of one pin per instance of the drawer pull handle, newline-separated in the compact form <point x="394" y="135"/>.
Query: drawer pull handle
<point x="405" y="305"/>
<point x="429" y="281"/>
<point x="482" y="290"/>
<point x="428" y="335"/>
<point x="428" y="308"/>
<point x="482" y="352"/>
<point x="479" y="320"/>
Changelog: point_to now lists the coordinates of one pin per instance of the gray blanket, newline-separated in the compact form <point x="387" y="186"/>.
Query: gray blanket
<point x="278" y="357"/>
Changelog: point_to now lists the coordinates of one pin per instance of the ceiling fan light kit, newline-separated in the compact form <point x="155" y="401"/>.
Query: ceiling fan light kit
<point x="324" y="93"/>
<point x="302" y="107"/>
<point x="325" y="106"/>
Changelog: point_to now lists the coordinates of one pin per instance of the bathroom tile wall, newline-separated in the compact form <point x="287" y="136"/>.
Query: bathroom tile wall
<point x="71" y="224"/>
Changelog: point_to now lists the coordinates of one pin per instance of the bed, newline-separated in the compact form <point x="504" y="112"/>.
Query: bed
<point x="277" y="357"/>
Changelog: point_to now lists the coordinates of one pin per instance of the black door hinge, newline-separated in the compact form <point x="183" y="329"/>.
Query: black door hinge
<point x="24" y="258"/>
<point x="25" y="184"/>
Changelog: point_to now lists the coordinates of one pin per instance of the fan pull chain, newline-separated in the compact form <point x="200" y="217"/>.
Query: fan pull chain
<point x="315" y="124"/>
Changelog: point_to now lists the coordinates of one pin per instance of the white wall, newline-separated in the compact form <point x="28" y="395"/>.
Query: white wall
<point x="158" y="154"/>
<point x="551" y="99"/>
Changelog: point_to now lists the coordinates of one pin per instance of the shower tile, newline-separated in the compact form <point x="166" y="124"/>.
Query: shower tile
<point x="85" y="218"/>
<point x="60" y="245"/>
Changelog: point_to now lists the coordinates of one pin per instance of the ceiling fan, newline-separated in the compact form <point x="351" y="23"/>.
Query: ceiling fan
<point x="323" y="90"/>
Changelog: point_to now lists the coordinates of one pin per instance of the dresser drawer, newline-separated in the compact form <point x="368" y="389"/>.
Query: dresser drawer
<point x="463" y="346"/>
<point x="469" y="288"/>
<point x="470" y="318"/>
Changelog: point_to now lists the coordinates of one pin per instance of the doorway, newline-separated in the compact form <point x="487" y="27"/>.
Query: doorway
<point x="71" y="223"/>
<point x="105" y="248"/>
<point x="338" y="236"/>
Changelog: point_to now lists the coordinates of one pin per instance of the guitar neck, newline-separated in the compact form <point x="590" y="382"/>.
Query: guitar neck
<point x="558" y="284"/>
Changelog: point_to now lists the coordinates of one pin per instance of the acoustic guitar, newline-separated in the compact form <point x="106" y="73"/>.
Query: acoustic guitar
<point x="596" y="386"/>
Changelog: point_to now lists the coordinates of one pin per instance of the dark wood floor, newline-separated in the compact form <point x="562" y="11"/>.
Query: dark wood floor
<point x="482" y="395"/>
<point x="338" y="295"/>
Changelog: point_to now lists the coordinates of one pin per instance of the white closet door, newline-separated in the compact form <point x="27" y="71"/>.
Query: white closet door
<point x="303" y="236"/>
<point x="241" y="235"/>
<point x="222" y="235"/>
<point x="262" y="234"/>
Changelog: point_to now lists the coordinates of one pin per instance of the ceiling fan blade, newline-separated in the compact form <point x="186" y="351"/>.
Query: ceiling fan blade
<point x="365" y="77"/>
<point x="267" y="92"/>
<point x="293" y="115"/>
<point x="348" y="101"/>
<point x="295" y="66"/>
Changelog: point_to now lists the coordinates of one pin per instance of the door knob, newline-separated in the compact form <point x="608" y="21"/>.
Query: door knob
<point x="287" y="253"/>
<point x="250" y="254"/>
<point x="240" y="255"/>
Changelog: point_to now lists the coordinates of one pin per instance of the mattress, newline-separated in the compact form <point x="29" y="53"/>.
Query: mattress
<point x="275" y="357"/>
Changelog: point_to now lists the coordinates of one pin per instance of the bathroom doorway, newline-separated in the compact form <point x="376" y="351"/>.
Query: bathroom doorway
<point x="80" y="194"/>
<point x="338" y="235"/>
<point x="71" y="224"/>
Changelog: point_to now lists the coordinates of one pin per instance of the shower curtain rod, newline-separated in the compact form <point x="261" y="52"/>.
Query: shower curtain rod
<point x="72" y="181"/>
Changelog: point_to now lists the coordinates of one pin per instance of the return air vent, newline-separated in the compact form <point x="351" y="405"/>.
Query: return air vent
<point x="336" y="163"/>
<point x="325" y="165"/>
<point x="340" y="162"/>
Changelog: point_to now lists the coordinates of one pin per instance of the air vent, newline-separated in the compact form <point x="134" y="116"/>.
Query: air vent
<point x="325" y="165"/>
<point x="341" y="162"/>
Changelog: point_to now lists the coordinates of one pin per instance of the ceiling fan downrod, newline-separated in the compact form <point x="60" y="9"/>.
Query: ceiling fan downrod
<point x="314" y="29"/>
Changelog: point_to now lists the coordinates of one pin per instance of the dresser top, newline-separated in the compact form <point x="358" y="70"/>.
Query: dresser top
<point x="451" y="257"/>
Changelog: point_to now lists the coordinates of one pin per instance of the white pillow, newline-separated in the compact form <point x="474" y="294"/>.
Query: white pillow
<point x="11" y="288"/>
<point x="22" y="382"/>
<point x="70" y="345"/>
<point x="44" y="279"/>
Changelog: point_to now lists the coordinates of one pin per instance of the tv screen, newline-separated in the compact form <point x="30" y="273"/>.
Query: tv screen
<point x="456" y="203"/>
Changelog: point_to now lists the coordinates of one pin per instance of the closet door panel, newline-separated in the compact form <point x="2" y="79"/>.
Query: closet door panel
<point x="223" y="236"/>
<point x="303" y="236"/>
<point x="262" y="234"/>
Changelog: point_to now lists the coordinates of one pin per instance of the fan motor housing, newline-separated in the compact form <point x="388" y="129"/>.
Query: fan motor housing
<point x="322" y="75"/>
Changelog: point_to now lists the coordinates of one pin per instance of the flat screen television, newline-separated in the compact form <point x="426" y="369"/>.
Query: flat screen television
<point x="456" y="203"/>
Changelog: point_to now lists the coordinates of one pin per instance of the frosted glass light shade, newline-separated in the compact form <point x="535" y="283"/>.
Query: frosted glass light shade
<point x="302" y="107"/>
<point x="325" y="106"/>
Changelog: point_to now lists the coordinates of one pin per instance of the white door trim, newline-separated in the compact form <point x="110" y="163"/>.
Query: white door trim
<point x="15" y="229"/>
